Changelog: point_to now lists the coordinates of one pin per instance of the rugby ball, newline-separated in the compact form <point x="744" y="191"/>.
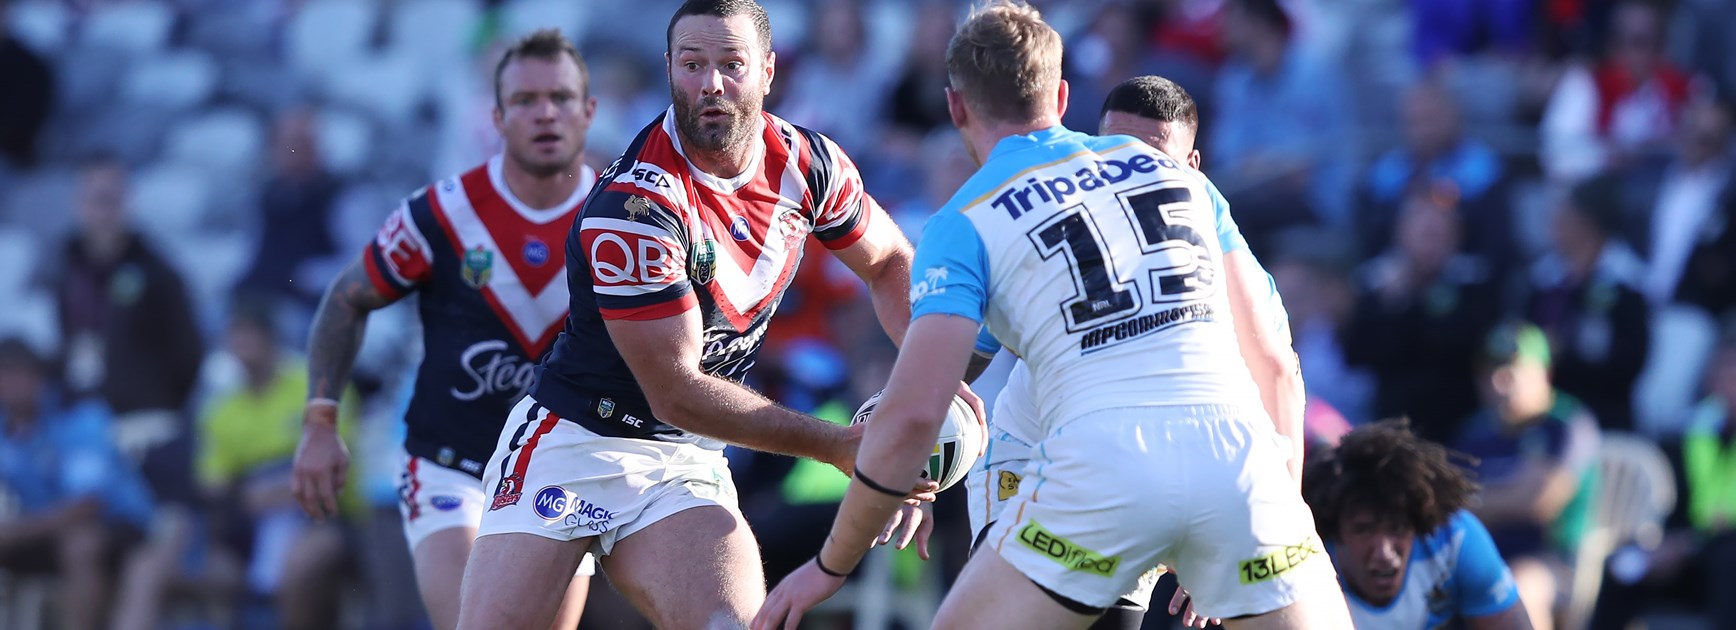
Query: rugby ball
<point x="955" y="449"/>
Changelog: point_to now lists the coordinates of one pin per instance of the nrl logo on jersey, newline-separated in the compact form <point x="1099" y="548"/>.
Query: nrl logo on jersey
<point x="702" y="264"/>
<point x="478" y="267"/>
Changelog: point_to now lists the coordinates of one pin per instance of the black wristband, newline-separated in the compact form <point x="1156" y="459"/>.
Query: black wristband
<point x="875" y="486"/>
<point x="823" y="569"/>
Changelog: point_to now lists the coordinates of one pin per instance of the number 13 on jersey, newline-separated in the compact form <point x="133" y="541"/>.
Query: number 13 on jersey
<point x="1176" y="257"/>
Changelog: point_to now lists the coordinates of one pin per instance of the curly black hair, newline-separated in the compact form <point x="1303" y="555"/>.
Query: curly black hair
<point x="1385" y="468"/>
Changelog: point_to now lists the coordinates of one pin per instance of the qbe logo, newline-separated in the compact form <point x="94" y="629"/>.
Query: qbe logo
<point x="552" y="503"/>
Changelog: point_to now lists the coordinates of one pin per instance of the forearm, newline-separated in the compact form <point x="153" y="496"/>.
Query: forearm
<point x="890" y="458"/>
<point x="889" y="288"/>
<point x="720" y="409"/>
<point x="337" y="334"/>
<point x="34" y="529"/>
<point x="1285" y="399"/>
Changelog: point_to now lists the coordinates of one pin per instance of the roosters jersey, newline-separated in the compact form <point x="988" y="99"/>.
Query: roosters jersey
<point x="492" y="292"/>
<point x="659" y="237"/>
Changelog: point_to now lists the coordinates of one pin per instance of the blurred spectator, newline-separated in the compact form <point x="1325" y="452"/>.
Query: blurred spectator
<point x="1437" y="154"/>
<point x="296" y="205"/>
<point x="1687" y="197"/>
<point x="917" y="103"/>
<point x="835" y="88"/>
<point x="247" y="439"/>
<point x="945" y="165"/>
<point x="1282" y="126"/>
<point x="131" y="337"/>
<point x="1312" y="269"/>
<point x="28" y="83"/>
<point x="1709" y="279"/>
<point x="1534" y="451"/>
<point x="1111" y="52"/>
<point x="1626" y="105"/>
<point x="1690" y="565"/>
<point x="1420" y="312"/>
<point x="81" y="504"/>
<point x="1455" y="28"/>
<point x="1586" y="297"/>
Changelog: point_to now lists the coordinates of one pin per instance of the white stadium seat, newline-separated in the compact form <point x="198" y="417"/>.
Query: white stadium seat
<point x="344" y="141"/>
<point x="226" y="141"/>
<point x="436" y="33"/>
<point x="41" y="24"/>
<point x="175" y="80"/>
<point x="523" y="16"/>
<point x="327" y="34"/>
<point x="169" y="199"/>
<point x="134" y="27"/>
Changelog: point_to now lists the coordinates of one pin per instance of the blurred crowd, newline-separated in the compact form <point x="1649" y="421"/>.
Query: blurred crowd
<point x="1511" y="221"/>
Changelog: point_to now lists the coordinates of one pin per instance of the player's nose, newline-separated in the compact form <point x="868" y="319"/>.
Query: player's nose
<point x="711" y="83"/>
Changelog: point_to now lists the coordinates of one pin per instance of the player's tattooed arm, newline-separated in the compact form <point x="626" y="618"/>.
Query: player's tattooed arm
<point x="337" y="331"/>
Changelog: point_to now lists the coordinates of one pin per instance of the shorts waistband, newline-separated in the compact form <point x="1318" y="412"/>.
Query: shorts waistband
<point x="445" y="456"/>
<point x="608" y="416"/>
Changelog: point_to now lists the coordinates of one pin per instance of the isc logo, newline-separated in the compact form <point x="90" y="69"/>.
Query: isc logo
<point x="654" y="178"/>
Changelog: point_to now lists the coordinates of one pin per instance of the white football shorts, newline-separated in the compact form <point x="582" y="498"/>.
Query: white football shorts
<point x="560" y="480"/>
<point x="995" y="479"/>
<point x="432" y="497"/>
<point x="1204" y="490"/>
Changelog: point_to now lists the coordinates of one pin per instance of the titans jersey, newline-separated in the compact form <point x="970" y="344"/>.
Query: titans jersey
<point x="1454" y="572"/>
<point x="1093" y="259"/>
<point x="491" y="295"/>
<point x="660" y="237"/>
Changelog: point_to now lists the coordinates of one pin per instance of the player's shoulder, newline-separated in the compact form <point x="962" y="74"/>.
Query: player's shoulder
<point x="650" y="176"/>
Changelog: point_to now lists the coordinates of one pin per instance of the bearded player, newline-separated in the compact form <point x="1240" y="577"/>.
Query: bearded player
<point x="483" y="251"/>
<point x="676" y="266"/>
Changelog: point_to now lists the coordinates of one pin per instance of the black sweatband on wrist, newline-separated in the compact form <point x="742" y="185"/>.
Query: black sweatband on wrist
<point x="823" y="569"/>
<point x="877" y="487"/>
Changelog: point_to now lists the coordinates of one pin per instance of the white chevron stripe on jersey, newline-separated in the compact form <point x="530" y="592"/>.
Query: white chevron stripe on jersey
<point x="532" y="315"/>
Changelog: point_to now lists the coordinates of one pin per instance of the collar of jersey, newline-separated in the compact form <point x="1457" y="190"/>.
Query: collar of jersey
<point x="712" y="181"/>
<point x="1011" y="144"/>
<point x="497" y="177"/>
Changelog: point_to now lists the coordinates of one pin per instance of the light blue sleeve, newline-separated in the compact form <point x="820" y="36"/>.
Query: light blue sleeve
<point x="1485" y="584"/>
<point x="1229" y="234"/>
<point x="951" y="272"/>
<point x="986" y="343"/>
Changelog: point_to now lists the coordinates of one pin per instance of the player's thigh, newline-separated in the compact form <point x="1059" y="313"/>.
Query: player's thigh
<point x="1317" y="608"/>
<point x="573" y="606"/>
<point x="440" y="558"/>
<point x="696" y="568"/>
<point x="441" y="509"/>
<point x="991" y="593"/>
<point x="1250" y="546"/>
<point x="508" y="577"/>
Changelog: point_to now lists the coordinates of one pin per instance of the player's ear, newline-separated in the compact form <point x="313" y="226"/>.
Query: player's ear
<point x="771" y="69"/>
<point x="499" y="119"/>
<point x="1194" y="160"/>
<point x="1061" y="100"/>
<point x="956" y="109"/>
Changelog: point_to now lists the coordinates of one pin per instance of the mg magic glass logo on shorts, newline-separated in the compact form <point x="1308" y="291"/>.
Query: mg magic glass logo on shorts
<point x="551" y="503"/>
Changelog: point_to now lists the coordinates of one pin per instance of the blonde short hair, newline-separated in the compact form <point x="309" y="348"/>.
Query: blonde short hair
<point x="1005" y="60"/>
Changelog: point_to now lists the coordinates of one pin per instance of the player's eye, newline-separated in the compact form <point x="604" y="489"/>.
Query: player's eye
<point x="691" y="66"/>
<point x="733" y="65"/>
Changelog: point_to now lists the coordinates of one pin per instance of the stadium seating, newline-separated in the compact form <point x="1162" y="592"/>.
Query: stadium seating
<point x="1636" y="492"/>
